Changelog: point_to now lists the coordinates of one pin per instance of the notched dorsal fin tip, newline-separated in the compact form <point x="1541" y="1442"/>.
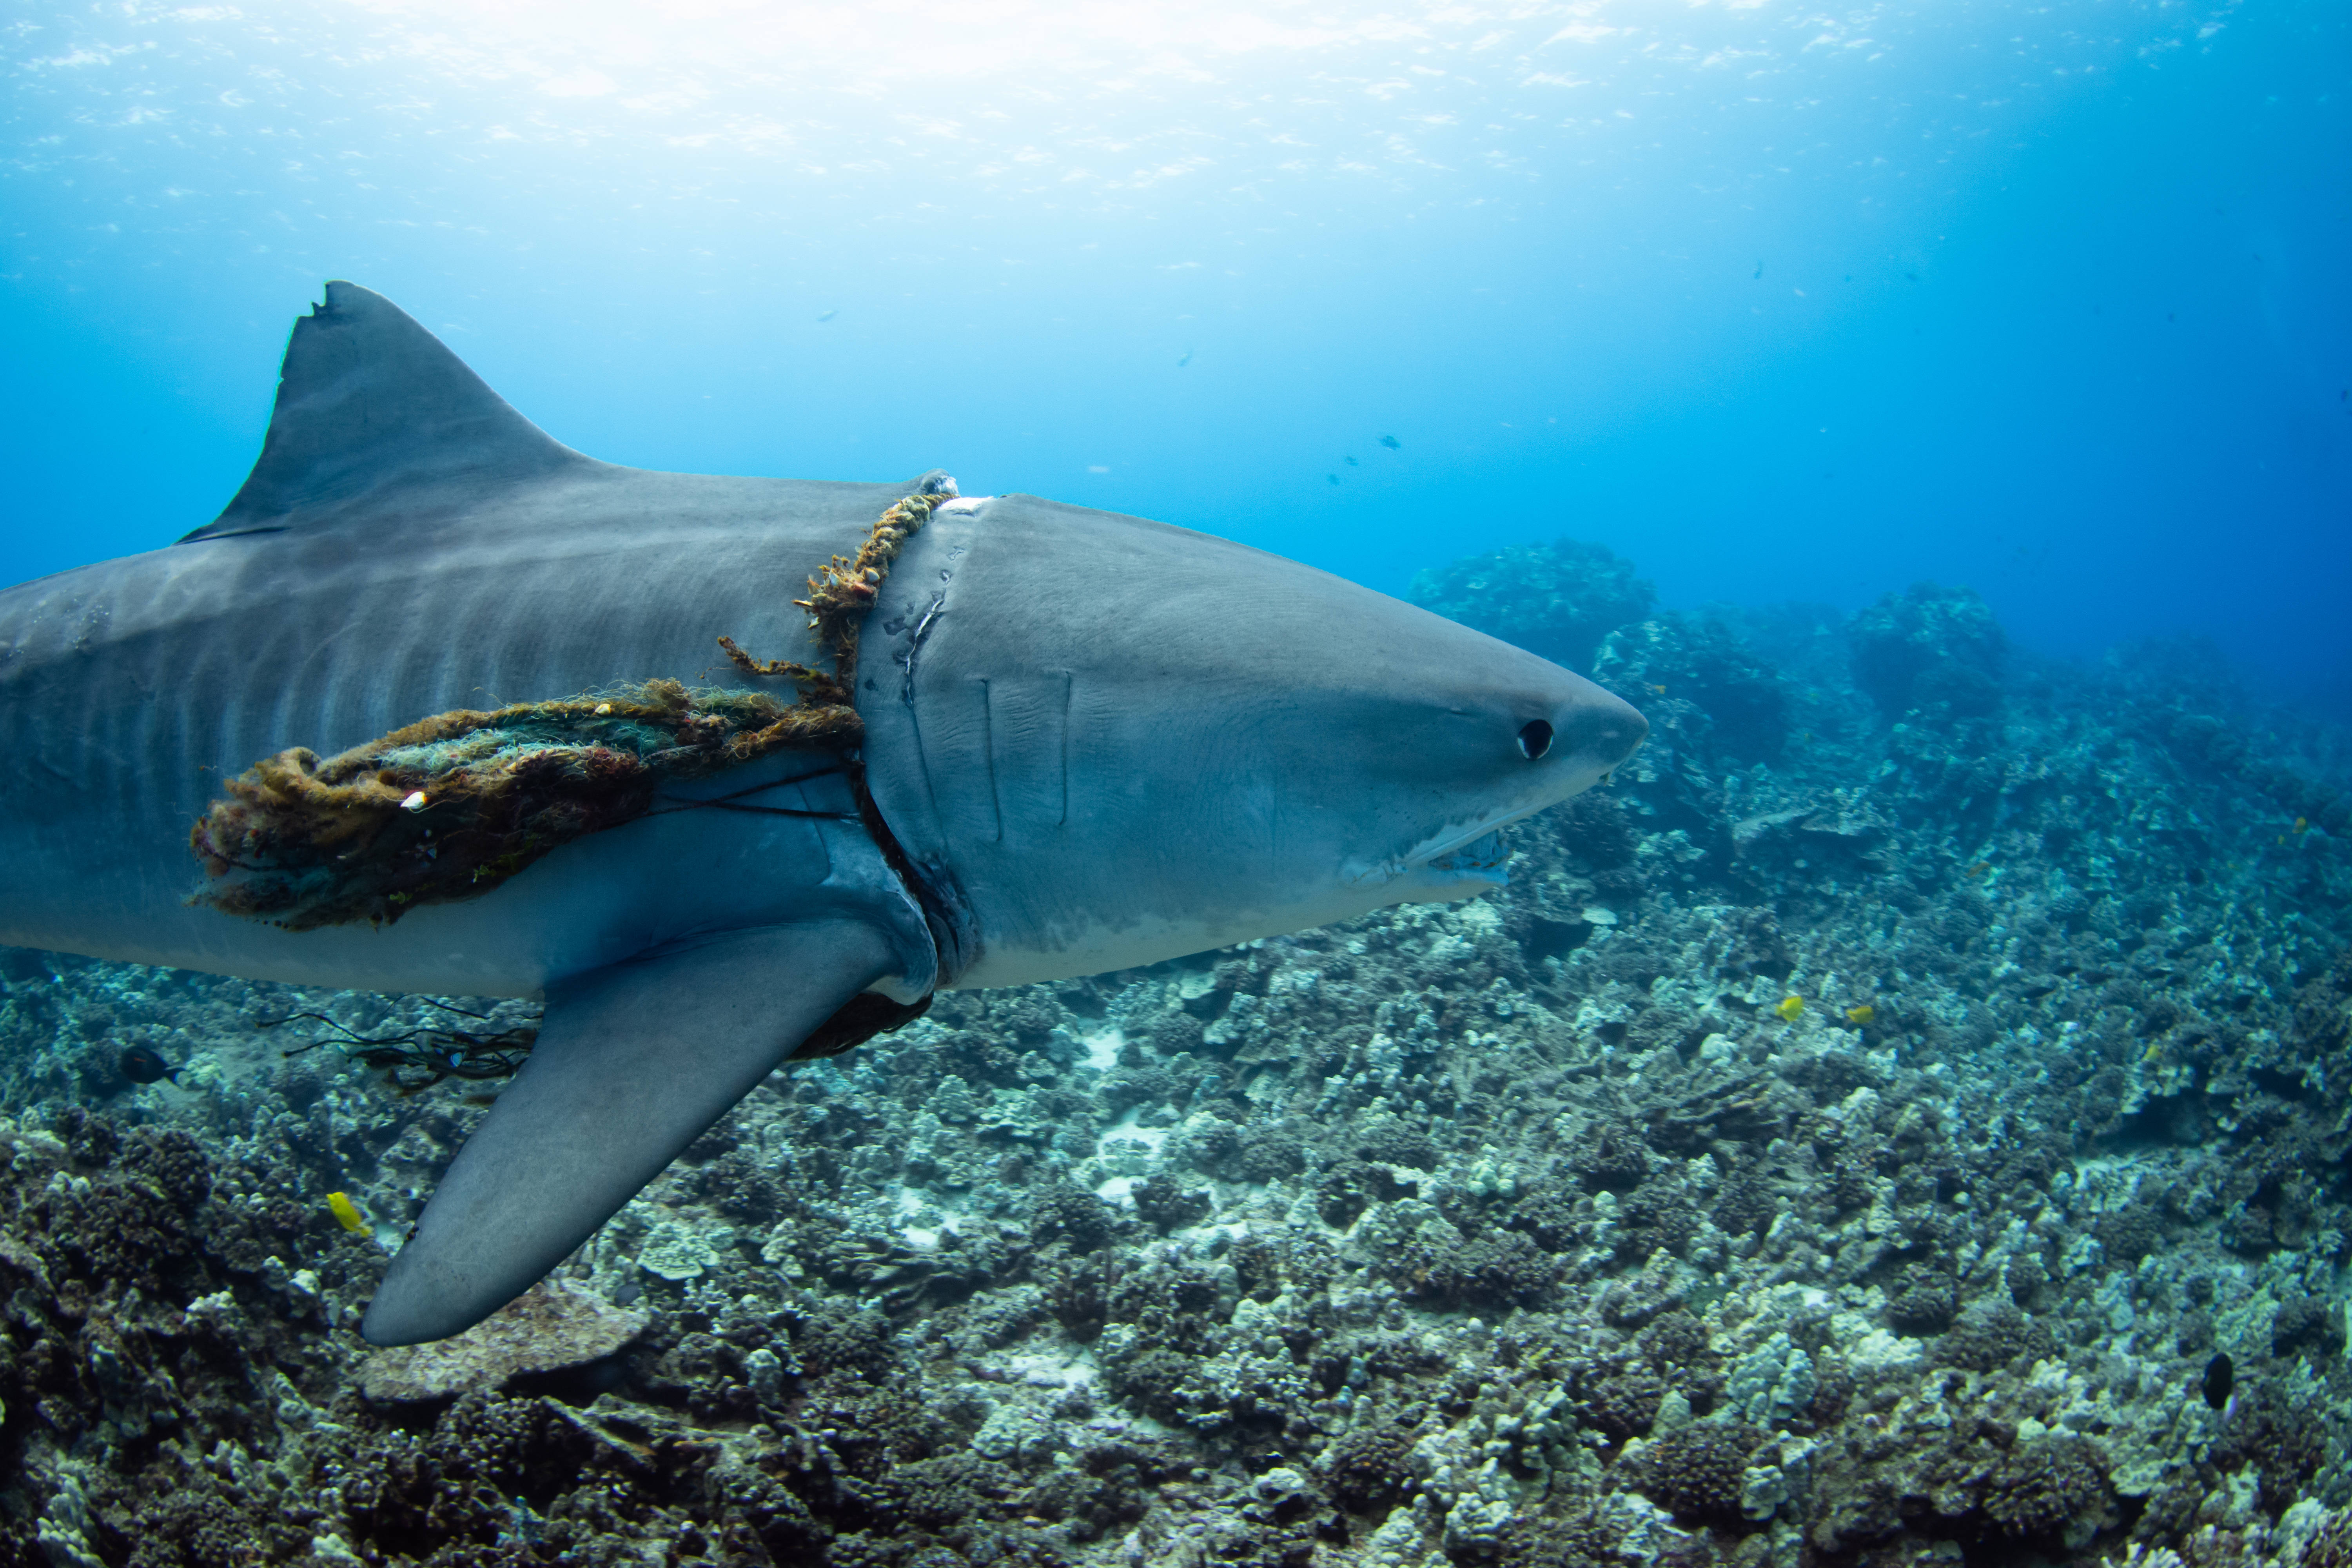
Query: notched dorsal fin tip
<point x="368" y="401"/>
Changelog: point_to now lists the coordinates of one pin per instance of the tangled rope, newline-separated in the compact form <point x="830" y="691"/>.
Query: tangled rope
<point x="839" y="596"/>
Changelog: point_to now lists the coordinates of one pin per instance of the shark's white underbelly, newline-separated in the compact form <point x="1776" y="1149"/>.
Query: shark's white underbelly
<point x="1073" y="948"/>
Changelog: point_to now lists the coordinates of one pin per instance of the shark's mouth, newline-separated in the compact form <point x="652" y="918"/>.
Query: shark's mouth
<point x="1483" y="853"/>
<point x="1474" y="854"/>
<point x="1476" y="845"/>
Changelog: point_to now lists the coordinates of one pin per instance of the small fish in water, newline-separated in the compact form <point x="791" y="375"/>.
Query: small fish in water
<point x="1390" y="442"/>
<point x="1791" y="1008"/>
<point x="1656" y="686"/>
<point x="1333" y="478"/>
<point x="2301" y="823"/>
<point x="347" y="1212"/>
<point x="827" y="316"/>
<point x="1862" y="1016"/>
<point x="1979" y="869"/>
<point x="146" y="1064"/>
<point x="2221" y="1376"/>
<point x="1759" y="269"/>
<point x="1353" y="464"/>
<point x="1183" y="358"/>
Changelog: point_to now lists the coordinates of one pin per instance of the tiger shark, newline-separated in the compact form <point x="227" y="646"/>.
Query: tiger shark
<point x="1086" y="741"/>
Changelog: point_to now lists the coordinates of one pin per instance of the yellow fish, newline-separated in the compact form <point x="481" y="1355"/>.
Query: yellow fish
<point x="2301" y="822"/>
<point x="1661" y="691"/>
<point x="347" y="1212"/>
<point x="1791" y="1008"/>
<point x="1858" y="1017"/>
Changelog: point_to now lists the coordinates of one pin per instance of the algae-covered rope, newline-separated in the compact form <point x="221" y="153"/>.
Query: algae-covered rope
<point x="839" y="596"/>
<point x="449" y="807"/>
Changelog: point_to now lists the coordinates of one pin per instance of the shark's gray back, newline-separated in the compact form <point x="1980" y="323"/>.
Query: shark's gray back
<point x="407" y="545"/>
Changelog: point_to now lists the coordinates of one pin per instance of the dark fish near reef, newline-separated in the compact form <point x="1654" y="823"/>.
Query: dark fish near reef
<point x="146" y="1064"/>
<point x="1007" y="740"/>
<point x="1390" y="442"/>
<point x="2221" y="1376"/>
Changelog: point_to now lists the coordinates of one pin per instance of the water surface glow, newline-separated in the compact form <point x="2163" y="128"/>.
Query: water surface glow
<point x="1781" y="300"/>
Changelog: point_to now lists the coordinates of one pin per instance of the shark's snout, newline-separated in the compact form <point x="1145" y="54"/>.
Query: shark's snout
<point x="1571" y="734"/>
<point x="1599" y="731"/>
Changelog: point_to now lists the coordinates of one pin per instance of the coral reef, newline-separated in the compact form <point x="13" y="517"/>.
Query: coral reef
<point x="1902" y="1119"/>
<point x="1557" y="599"/>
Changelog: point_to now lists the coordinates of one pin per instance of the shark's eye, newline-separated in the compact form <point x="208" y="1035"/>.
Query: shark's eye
<point x="1535" y="738"/>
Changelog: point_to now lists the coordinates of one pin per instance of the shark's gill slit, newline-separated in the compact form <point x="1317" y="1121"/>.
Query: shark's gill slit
<point x="987" y="750"/>
<point x="906" y="689"/>
<point x="1061" y="752"/>
<point x="915" y="647"/>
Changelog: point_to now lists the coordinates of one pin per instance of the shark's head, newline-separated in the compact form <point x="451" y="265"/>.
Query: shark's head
<point x="1112" y="742"/>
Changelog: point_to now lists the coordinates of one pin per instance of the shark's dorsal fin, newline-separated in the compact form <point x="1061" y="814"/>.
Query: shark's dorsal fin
<point x="370" y="402"/>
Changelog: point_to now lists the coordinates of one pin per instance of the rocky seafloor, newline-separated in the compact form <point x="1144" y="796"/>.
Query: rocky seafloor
<point x="1902" y="1119"/>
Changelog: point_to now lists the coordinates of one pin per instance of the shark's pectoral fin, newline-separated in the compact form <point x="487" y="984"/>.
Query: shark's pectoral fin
<point x="633" y="1063"/>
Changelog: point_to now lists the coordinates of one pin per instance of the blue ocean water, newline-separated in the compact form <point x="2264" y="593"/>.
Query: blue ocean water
<point x="1779" y="301"/>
